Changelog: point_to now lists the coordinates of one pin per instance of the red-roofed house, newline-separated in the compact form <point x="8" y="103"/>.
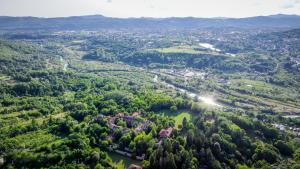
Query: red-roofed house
<point x="165" y="132"/>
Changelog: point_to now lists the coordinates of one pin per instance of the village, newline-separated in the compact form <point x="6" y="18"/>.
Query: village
<point x="130" y="123"/>
<point x="187" y="74"/>
<point x="282" y="127"/>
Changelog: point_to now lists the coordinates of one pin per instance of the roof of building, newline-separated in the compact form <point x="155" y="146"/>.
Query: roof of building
<point x="166" y="132"/>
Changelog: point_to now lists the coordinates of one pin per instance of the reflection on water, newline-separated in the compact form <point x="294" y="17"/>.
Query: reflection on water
<point x="208" y="100"/>
<point x="209" y="46"/>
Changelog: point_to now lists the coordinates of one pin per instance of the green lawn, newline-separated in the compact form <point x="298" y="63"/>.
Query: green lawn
<point x="178" y="116"/>
<point x="178" y="119"/>
<point x="246" y="84"/>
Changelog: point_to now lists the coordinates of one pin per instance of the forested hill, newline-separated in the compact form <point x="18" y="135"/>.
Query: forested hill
<point x="98" y="22"/>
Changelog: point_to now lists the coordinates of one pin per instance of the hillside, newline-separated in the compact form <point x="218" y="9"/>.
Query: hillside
<point x="98" y="22"/>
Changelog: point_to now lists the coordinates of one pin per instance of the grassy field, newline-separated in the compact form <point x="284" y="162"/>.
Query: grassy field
<point x="277" y="105"/>
<point x="179" y="49"/>
<point x="255" y="85"/>
<point x="178" y="116"/>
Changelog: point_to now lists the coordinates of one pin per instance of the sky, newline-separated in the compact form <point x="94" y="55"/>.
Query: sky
<point x="148" y="8"/>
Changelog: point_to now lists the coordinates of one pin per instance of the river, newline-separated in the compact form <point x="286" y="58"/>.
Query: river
<point x="208" y="100"/>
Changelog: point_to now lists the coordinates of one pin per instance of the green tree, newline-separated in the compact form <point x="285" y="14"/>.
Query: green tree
<point x="284" y="148"/>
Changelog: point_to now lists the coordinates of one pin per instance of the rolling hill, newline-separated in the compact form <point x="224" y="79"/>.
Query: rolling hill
<point x="99" y="22"/>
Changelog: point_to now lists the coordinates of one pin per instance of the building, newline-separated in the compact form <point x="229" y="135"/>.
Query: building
<point x="135" y="114"/>
<point x="165" y="132"/>
<point x="128" y="119"/>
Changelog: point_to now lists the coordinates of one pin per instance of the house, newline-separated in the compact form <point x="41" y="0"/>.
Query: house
<point x="113" y="126"/>
<point x="128" y="119"/>
<point x="142" y="126"/>
<point x="165" y="132"/>
<point x="279" y="126"/>
<point x="111" y="123"/>
<point x="120" y="115"/>
<point x="135" y="114"/>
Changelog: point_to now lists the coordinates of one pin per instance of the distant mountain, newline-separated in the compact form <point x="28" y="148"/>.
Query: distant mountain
<point x="283" y="16"/>
<point x="99" y="22"/>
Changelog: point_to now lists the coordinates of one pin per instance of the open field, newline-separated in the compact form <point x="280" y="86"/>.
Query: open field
<point x="179" y="49"/>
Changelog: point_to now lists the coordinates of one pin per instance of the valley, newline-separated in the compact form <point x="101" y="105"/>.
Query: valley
<point x="227" y="96"/>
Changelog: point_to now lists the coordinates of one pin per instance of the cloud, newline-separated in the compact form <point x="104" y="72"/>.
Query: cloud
<point x="290" y="4"/>
<point x="149" y="8"/>
<point x="287" y="6"/>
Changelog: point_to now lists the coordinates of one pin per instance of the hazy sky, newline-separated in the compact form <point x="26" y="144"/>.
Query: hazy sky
<point x="148" y="8"/>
